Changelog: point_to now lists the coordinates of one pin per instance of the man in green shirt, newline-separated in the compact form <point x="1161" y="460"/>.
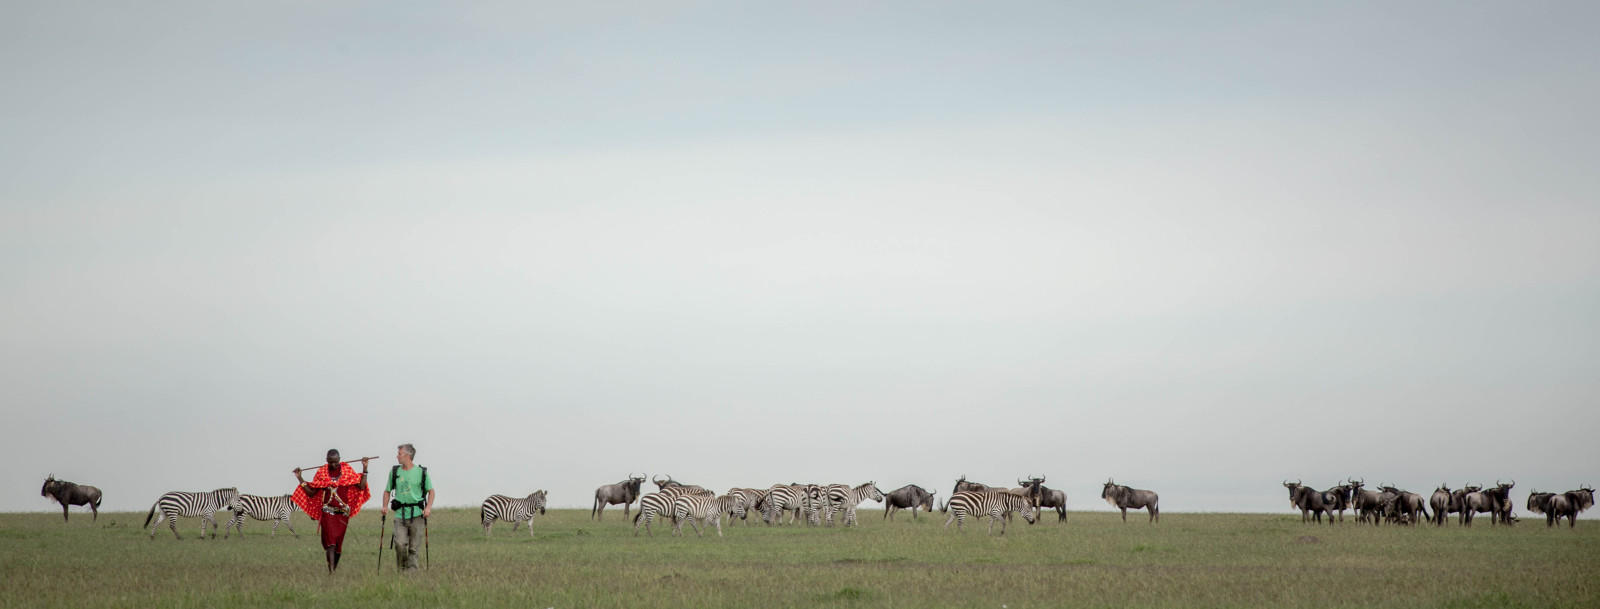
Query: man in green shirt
<point x="412" y="491"/>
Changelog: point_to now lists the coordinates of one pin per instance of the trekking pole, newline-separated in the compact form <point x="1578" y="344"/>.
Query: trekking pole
<point x="427" y="555"/>
<point x="381" y="522"/>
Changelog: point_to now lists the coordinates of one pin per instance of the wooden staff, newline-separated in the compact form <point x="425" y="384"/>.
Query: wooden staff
<point x="301" y="469"/>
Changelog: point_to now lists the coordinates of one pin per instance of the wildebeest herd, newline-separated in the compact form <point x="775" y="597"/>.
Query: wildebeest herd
<point x="1392" y="505"/>
<point x="823" y="504"/>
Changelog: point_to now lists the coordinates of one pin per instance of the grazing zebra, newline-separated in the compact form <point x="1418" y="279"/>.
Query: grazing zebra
<point x="512" y="510"/>
<point x="753" y="498"/>
<point x="660" y="504"/>
<point x="842" y="497"/>
<point x="189" y="505"/>
<point x="994" y="504"/>
<point x="798" y="497"/>
<point x="277" y="509"/>
<point x="699" y="509"/>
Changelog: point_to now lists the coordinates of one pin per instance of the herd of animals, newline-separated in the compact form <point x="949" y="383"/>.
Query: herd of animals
<point x="1395" y="506"/>
<point x="820" y="505"/>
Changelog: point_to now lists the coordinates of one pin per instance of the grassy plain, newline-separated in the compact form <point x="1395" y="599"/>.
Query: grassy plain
<point x="1092" y="560"/>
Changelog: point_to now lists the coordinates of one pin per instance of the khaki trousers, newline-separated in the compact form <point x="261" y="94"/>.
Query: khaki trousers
<point x="408" y="539"/>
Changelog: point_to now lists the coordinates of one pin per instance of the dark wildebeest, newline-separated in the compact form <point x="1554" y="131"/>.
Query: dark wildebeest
<point x="68" y="494"/>
<point x="1311" y="502"/>
<point x="1493" y="501"/>
<point x="1568" y="505"/>
<point x="662" y="485"/>
<point x="963" y="485"/>
<point x="1538" y="502"/>
<point x="1045" y="497"/>
<point x="909" y="497"/>
<point x="1408" y="508"/>
<point x="1441" y="502"/>
<point x="1341" y="501"/>
<point x="1366" y="503"/>
<point x="1122" y="497"/>
<point x="625" y="492"/>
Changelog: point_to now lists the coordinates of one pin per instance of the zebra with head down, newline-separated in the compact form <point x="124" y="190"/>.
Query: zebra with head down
<point x="659" y="504"/>
<point x="994" y="504"/>
<point x="277" y="509"/>
<point x="702" y="508"/>
<point x="798" y="498"/>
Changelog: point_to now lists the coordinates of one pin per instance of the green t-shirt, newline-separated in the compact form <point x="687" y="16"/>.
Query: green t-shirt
<point x="408" y="488"/>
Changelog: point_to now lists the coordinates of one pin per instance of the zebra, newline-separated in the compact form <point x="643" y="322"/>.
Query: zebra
<point x="753" y="498"/>
<point x="660" y="503"/>
<point x="512" y="510"/>
<point x="189" y="505"/>
<point x="842" y="497"/>
<point x="277" y="509"/>
<point x="994" y="504"/>
<point x="798" y="497"/>
<point x="701" y="508"/>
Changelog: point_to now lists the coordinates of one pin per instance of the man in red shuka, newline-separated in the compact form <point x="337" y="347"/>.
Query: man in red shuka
<point x="332" y="496"/>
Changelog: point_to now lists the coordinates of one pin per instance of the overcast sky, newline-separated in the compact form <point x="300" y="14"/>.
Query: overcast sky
<point x="1199" y="249"/>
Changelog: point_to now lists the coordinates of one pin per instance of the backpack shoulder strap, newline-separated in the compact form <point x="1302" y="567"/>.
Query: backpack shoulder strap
<point x="394" y="477"/>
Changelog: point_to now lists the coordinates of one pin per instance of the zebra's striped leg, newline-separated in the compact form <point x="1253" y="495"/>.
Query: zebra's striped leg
<point x="530" y="525"/>
<point x="949" y="520"/>
<point x="172" y="522"/>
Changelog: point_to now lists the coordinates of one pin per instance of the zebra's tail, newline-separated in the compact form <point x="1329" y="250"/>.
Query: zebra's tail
<point x="151" y="515"/>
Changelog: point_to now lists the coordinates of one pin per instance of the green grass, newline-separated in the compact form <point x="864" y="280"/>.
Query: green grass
<point x="1093" y="560"/>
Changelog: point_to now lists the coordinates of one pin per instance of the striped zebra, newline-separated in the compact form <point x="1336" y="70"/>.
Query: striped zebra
<point x="277" y="509"/>
<point x="512" y="510"/>
<point x="994" y="504"/>
<point x="799" y="498"/>
<point x="189" y="505"/>
<point x="699" y="509"/>
<point x="660" y="504"/>
<point x="753" y="498"/>
<point x="842" y="497"/>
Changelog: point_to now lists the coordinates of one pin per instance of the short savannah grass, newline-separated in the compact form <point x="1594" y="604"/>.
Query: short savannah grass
<point x="1093" y="560"/>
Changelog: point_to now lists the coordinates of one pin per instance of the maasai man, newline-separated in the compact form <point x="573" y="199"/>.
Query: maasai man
<point x="332" y="496"/>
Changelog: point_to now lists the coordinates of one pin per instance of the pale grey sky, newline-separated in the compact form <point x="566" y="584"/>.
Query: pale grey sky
<point x="1197" y="249"/>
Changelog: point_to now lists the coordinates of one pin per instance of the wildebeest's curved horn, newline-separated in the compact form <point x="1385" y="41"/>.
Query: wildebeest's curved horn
<point x="1020" y="482"/>
<point x="1041" y="479"/>
<point x="654" y="479"/>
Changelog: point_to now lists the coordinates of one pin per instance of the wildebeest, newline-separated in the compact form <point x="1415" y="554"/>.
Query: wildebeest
<point x="1494" y="501"/>
<point x="625" y="492"/>
<point x="1408" y="508"/>
<point x="68" y="494"/>
<point x="1366" y="503"/>
<point x="1440" y="502"/>
<point x="1538" y="502"/>
<point x="662" y="485"/>
<point x="1045" y="497"/>
<point x="1122" y="497"/>
<point x="1569" y="505"/>
<point x="910" y="497"/>
<point x="1341" y="501"/>
<point x="963" y="485"/>
<point x="1311" y="502"/>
